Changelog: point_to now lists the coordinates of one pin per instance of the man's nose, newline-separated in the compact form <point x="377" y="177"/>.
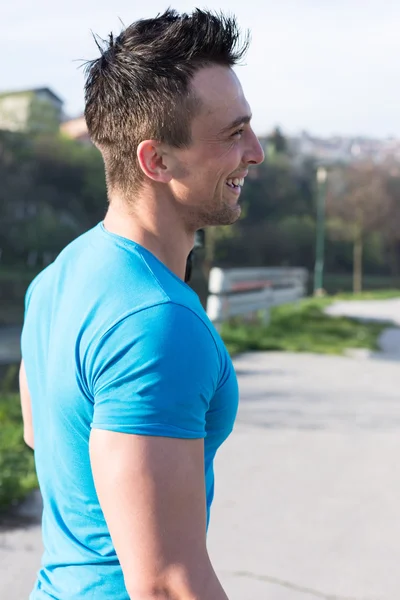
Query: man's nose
<point x="254" y="154"/>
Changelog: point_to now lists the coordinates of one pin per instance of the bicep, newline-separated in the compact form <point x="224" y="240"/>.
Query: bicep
<point x="152" y="492"/>
<point x="26" y="406"/>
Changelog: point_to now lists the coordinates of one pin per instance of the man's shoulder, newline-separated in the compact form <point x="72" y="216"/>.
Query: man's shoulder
<point x="167" y="328"/>
<point x="166" y="317"/>
<point x="156" y="343"/>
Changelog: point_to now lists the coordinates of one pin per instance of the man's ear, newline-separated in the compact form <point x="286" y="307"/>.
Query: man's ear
<point x="150" y="155"/>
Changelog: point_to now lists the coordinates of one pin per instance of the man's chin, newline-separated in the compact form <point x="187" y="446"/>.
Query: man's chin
<point x="229" y="215"/>
<point x="236" y="214"/>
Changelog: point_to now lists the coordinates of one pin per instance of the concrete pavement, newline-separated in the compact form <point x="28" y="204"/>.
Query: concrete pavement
<point x="308" y="487"/>
<point x="375" y="310"/>
<point x="20" y="550"/>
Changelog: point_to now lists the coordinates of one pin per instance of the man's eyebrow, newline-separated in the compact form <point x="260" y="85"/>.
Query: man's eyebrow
<point x="239" y="121"/>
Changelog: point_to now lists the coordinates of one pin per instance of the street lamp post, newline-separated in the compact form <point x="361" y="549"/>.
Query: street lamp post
<point x="320" y="241"/>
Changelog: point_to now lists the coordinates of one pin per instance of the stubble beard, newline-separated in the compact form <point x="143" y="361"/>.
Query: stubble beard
<point x="221" y="214"/>
<point x="226" y="215"/>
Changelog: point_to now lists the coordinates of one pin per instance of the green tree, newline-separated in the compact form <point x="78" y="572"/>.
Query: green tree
<point x="53" y="189"/>
<point x="276" y="144"/>
<point x="358" y="204"/>
<point x="391" y="226"/>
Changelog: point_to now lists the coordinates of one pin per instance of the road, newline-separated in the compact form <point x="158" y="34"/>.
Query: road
<point x="307" y="487"/>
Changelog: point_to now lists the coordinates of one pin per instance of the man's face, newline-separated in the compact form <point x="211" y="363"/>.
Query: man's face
<point x="209" y="173"/>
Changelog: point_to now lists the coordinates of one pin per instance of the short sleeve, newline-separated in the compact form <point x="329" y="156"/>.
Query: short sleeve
<point x="155" y="373"/>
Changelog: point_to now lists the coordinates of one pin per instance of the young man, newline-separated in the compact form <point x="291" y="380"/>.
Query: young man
<point x="127" y="383"/>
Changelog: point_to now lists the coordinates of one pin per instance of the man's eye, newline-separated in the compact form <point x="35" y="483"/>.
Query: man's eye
<point x="239" y="133"/>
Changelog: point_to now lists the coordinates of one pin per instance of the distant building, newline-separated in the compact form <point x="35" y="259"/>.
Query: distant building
<point x="344" y="150"/>
<point x="333" y="150"/>
<point x="76" y="129"/>
<point x="34" y="110"/>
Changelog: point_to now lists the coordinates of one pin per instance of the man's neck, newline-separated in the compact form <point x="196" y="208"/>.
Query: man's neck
<point x="160" y="232"/>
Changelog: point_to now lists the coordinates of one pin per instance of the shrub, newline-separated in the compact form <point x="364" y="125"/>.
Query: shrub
<point x="17" y="470"/>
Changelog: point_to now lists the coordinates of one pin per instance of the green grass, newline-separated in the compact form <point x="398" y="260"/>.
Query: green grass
<point x="304" y="327"/>
<point x="17" y="470"/>
<point x="367" y="295"/>
<point x="338" y="283"/>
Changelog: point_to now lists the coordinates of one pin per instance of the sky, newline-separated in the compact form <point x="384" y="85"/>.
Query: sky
<point x="328" y="67"/>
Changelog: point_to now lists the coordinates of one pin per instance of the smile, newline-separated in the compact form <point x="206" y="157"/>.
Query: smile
<point x="235" y="183"/>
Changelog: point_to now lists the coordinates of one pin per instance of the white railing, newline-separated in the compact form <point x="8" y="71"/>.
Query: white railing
<point x="249" y="290"/>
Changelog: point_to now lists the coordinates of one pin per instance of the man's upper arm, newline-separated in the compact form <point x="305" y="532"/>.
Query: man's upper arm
<point x="26" y="406"/>
<point x="152" y="378"/>
<point x="26" y="403"/>
<point x="151" y="490"/>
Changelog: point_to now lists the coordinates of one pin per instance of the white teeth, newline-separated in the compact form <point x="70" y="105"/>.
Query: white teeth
<point x="236" y="181"/>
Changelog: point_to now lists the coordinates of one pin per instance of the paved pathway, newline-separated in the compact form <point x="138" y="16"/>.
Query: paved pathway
<point x="307" y="489"/>
<point x="375" y="310"/>
<point x="20" y="551"/>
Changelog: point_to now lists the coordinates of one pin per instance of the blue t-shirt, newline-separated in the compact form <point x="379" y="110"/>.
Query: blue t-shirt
<point x="113" y="340"/>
